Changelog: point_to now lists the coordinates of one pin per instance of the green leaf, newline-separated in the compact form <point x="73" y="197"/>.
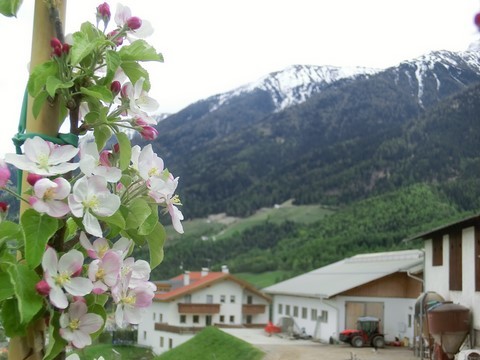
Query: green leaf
<point x="140" y="50"/>
<point x="38" y="229"/>
<point x="10" y="7"/>
<point x="24" y="280"/>
<point x="150" y="223"/>
<point x="81" y="48"/>
<point x="10" y="316"/>
<point x="40" y="74"/>
<point x="10" y="231"/>
<point x="116" y="219"/>
<point x="56" y="344"/>
<point x="38" y="103"/>
<point x="134" y="72"/>
<point x="155" y="240"/>
<point x="125" y="150"/>
<point x="6" y="290"/>
<point x="54" y="83"/>
<point x="98" y="92"/>
<point x="138" y="212"/>
<point x="102" y="134"/>
<point x="113" y="61"/>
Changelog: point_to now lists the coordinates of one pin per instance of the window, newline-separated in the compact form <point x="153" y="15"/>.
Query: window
<point x="222" y="298"/>
<point x="196" y="319"/>
<point x="183" y="319"/>
<point x="144" y="335"/>
<point x="313" y="314"/>
<point x="287" y="310"/>
<point x="409" y="320"/>
<point x="209" y="299"/>
<point x="187" y="299"/>
<point x="232" y="319"/>
<point x="160" y="317"/>
<point x="154" y="316"/>
<point x="304" y="312"/>
<point x="455" y="238"/>
<point x="477" y="257"/>
<point x="232" y="298"/>
<point x="161" y="341"/>
<point x="249" y="299"/>
<point x="280" y="308"/>
<point x="437" y="250"/>
<point x="170" y="343"/>
<point x="222" y="318"/>
<point x="324" y="316"/>
<point x="295" y="311"/>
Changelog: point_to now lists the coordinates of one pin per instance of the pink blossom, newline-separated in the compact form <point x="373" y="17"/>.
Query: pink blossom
<point x="147" y="162"/>
<point x="60" y="275"/>
<point x="93" y="163"/>
<point x="104" y="272"/>
<point x="100" y="246"/>
<point x="4" y="174"/>
<point x="77" y="324"/>
<point x="48" y="196"/>
<point x="140" y="102"/>
<point x="140" y="28"/>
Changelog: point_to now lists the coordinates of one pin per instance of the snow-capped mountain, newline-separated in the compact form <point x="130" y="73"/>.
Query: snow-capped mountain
<point x="295" y="84"/>
<point x="436" y="71"/>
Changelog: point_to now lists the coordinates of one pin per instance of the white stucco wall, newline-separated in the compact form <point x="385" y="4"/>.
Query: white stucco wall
<point x="437" y="277"/>
<point x="398" y="315"/>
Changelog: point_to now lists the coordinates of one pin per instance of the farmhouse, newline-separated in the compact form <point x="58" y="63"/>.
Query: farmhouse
<point x="325" y="301"/>
<point x="452" y="267"/>
<point x="188" y="303"/>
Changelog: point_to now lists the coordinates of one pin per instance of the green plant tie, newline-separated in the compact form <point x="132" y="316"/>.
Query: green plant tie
<point x="22" y="135"/>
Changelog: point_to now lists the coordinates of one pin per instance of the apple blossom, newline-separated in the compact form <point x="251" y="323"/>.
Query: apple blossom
<point x="100" y="246"/>
<point x="138" y="270"/>
<point x="44" y="158"/>
<point x="77" y="324"/>
<point x="139" y="101"/>
<point x="104" y="272"/>
<point x="92" y="164"/>
<point x="48" y="196"/>
<point x="123" y="17"/>
<point x="60" y="274"/>
<point x="90" y="196"/>
<point x="146" y="162"/>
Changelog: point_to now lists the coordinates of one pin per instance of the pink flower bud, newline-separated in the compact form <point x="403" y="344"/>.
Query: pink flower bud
<point x="79" y="298"/>
<point x="105" y="157"/>
<point x="149" y="132"/>
<point x="4" y="174"/>
<point x="115" y="87"/>
<point x="43" y="288"/>
<point x="55" y="43"/>
<point x="103" y="12"/>
<point x="113" y="35"/>
<point x="4" y="207"/>
<point x="476" y="20"/>
<point x="134" y="23"/>
<point x="33" y="178"/>
<point x="116" y="148"/>
<point x="65" y="48"/>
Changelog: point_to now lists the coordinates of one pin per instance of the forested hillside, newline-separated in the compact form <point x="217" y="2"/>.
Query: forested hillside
<point x="376" y="224"/>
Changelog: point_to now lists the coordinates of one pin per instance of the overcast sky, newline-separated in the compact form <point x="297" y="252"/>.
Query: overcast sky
<point x="213" y="46"/>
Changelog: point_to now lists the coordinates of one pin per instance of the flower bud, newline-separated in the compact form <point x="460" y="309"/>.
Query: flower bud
<point x="149" y="132"/>
<point x="476" y="20"/>
<point x="134" y="23"/>
<point x="33" y="178"/>
<point x="113" y="36"/>
<point x="4" y="174"/>
<point x="115" y="87"/>
<point x="43" y="288"/>
<point x="65" y="48"/>
<point x="4" y="207"/>
<point x="103" y="13"/>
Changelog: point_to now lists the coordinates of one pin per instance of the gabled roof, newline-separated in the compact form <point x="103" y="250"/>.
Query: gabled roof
<point x="349" y="273"/>
<point x="198" y="281"/>
<point x="462" y="223"/>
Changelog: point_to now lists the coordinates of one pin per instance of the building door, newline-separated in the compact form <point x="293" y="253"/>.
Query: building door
<point x="208" y="320"/>
<point x="249" y="319"/>
<point x="356" y="309"/>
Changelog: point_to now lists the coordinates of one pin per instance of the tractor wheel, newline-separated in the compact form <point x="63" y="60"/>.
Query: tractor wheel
<point x="357" y="341"/>
<point x="378" y="342"/>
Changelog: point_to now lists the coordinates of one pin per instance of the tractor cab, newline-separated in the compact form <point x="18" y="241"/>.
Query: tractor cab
<point x="367" y="333"/>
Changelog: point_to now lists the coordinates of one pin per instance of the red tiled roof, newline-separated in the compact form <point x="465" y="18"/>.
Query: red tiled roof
<point x="197" y="282"/>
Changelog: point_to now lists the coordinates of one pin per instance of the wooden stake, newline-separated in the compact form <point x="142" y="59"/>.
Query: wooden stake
<point x="32" y="346"/>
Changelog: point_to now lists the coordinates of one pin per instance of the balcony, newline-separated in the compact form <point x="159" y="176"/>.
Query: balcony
<point x="198" y="309"/>
<point x="178" y="329"/>
<point x="253" y="309"/>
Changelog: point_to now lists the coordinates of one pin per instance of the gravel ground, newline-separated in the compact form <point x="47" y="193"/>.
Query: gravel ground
<point x="280" y="348"/>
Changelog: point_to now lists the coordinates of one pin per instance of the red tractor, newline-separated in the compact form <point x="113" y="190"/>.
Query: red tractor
<point x="366" y="334"/>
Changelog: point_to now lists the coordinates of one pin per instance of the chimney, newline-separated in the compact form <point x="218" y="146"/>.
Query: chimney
<point x="204" y="272"/>
<point x="225" y="269"/>
<point x="186" y="278"/>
